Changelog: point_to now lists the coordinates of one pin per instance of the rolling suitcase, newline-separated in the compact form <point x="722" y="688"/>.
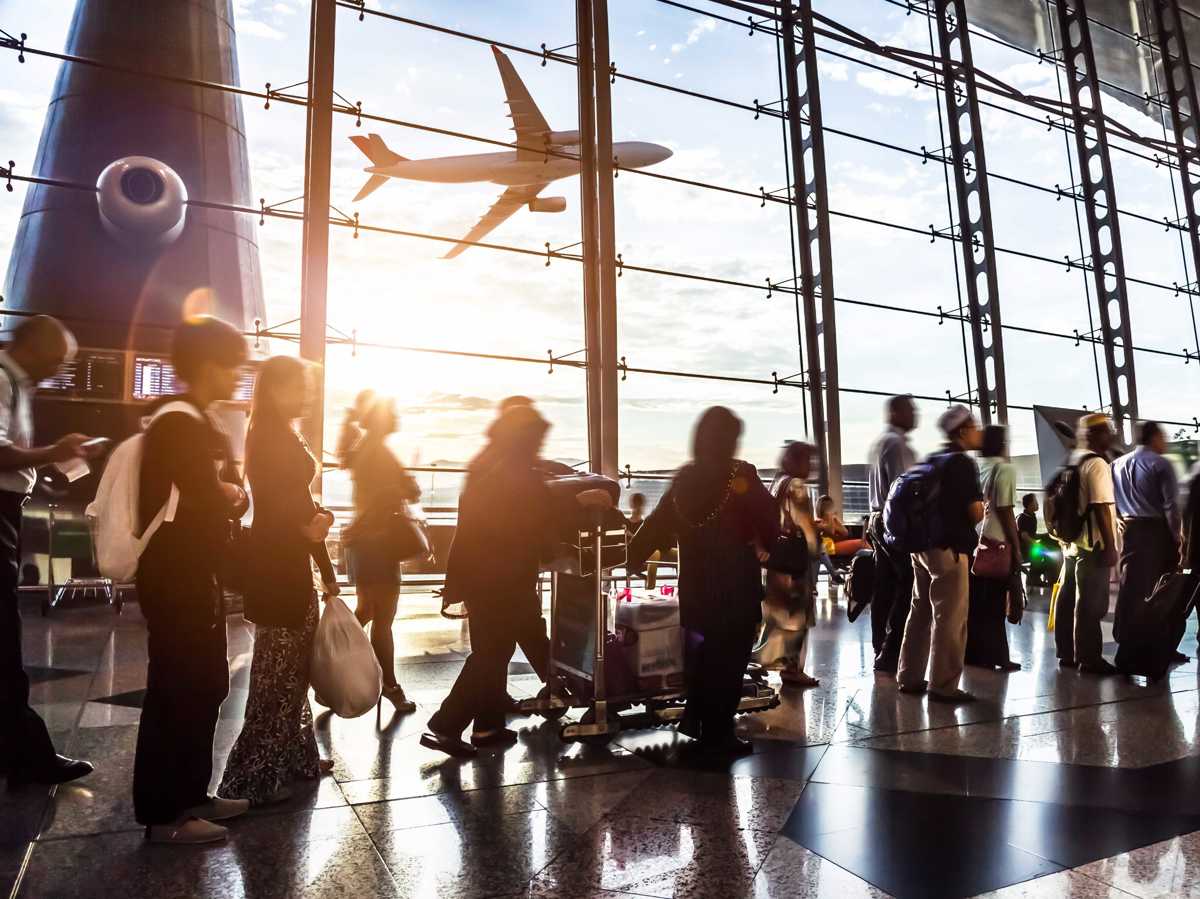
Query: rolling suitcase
<point x="1157" y="626"/>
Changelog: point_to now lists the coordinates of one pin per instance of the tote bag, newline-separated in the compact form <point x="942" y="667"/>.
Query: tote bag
<point x="343" y="669"/>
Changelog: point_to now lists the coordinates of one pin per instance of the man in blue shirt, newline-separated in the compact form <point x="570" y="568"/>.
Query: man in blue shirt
<point x="1147" y="495"/>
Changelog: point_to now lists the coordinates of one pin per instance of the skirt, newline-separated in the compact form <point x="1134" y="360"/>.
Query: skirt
<point x="277" y="744"/>
<point x="373" y="564"/>
<point x="789" y="610"/>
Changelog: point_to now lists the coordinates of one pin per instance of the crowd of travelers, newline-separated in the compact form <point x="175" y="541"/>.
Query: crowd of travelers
<point x="950" y="562"/>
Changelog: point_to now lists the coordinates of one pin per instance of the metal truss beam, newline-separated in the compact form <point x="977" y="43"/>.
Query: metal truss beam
<point x="803" y="108"/>
<point x="590" y="228"/>
<point x="1100" y="204"/>
<point x="974" y="207"/>
<point x="1181" y="96"/>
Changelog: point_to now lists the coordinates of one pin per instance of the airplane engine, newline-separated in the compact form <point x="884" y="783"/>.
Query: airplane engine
<point x="142" y="201"/>
<point x="562" y="138"/>
<point x="548" y="204"/>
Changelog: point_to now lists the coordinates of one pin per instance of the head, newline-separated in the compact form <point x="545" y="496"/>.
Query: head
<point x="825" y="506"/>
<point x="518" y="434"/>
<point x="715" y="439"/>
<point x="206" y="354"/>
<point x="796" y="460"/>
<point x="380" y="417"/>
<point x="637" y="503"/>
<point x="511" y="402"/>
<point x="280" y="392"/>
<point x="902" y="413"/>
<point x="961" y="428"/>
<point x="40" y="345"/>
<point x="1030" y="503"/>
<point x="1095" y="432"/>
<point x="1151" y="436"/>
<point x="994" y="442"/>
<point x="362" y="404"/>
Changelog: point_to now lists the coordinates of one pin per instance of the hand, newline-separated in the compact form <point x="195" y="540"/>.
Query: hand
<point x="68" y="447"/>
<point x="328" y="591"/>
<point x="234" y="495"/>
<point x="317" y="529"/>
<point x="595" y="499"/>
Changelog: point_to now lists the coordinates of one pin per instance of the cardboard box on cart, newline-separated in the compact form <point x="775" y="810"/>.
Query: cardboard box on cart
<point x="654" y="643"/>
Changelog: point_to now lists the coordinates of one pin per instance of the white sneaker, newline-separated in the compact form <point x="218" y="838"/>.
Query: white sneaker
<point x="217" y="808"/>
<point x="192" y="832"/>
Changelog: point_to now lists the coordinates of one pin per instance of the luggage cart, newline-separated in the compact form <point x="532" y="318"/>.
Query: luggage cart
<point x="582" y="682"/>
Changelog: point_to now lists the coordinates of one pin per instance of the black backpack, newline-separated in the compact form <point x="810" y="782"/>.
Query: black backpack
<point x="860" y="583"/>
<point x="913" y="520"/>
<point x="1064" y="519"/>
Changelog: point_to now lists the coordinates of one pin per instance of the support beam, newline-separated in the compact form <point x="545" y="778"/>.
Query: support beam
<point x="1100" y="203"/>
<point x="974" y="207"/>
<point x="1181" y="94"/>
<point x="811" y="198"/>
<point x="606" y="246"/>
<point x="586" y="70"/>
<point x="314" y="272"/>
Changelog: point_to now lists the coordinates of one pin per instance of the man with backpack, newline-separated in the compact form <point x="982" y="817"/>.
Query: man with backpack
<point x="1147" y="495"/>
<point x="890" y="456"/>
<point x="1079" y="511"/>
<point x="933" y="511"/>
<point x="39" y="347"/>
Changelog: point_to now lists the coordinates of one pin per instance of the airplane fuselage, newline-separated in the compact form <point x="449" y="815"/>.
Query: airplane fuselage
<point x="507" y="169"/>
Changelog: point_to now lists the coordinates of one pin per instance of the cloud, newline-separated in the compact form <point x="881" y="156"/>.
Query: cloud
<point x="442" y="402"/>
<point x="283" y="9"/>
<point x="834" y="71"/>
<point x="640" y="32"/>
<point x="255" y="28"/>
<point x="702" y="27"/>
<point x="653" y="47"/>
<point x="891" y="85"/>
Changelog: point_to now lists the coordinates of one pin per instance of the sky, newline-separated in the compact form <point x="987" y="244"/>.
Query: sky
<point x="397" y="290"/>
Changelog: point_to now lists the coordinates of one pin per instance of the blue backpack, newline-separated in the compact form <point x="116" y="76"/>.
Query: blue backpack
<point x="912" y="516"/>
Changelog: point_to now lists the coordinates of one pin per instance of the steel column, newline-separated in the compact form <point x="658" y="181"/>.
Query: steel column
<point x="1181" y="94"/>
<point x="314" y="273"/>
<point x="811" y="199"/>
<point x="606" y="246"/>
<point x="1100" y="204"/>
<point x="590" y="229"/>
<point x="974" y="207"/>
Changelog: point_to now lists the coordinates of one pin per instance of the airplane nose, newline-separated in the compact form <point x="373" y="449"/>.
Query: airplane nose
<point x="663" y="153"/>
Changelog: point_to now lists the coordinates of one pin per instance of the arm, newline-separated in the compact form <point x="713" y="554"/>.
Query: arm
<point x="188" y="444"/>
<point x="13" y="457"/>
<point x="657" y="534"/>
<point x="1103" y="514"/>
<point x="1170" y="499"/>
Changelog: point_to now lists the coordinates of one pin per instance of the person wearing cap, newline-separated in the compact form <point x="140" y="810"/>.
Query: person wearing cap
<point x="505" y="521"/>
<point x="890" y="456"/>
<point x="1147" y="494"/>
<point x="1063" y="592"/>
<point x="1095" y="550"/>
<point x="935" y="636"/>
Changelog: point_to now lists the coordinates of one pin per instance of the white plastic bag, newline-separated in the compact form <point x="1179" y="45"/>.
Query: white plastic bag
<point x="344" y="671"/>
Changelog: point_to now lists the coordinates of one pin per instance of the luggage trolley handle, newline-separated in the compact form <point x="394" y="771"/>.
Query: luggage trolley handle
<point x="599" y="691"/>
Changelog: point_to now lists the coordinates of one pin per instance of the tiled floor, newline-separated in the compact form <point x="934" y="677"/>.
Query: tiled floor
<point x="1053" y="785"/>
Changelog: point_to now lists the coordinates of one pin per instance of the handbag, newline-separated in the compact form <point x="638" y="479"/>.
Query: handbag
<point x="343" y="669"/>
<point x="789" y="555"/>
<point x="993" y="559"/>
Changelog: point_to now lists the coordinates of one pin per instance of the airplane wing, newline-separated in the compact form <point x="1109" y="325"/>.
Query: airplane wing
<point x="510" y="201"/>
<point x="528" y="121"/>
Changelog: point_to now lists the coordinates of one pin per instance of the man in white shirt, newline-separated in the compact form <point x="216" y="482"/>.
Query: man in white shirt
<point x="890" y="456"/>
<point x="1095" y="550"/>
<point x="39" y="346"/>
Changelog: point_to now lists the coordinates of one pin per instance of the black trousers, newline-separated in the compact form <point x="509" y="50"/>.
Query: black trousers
<point x="1148" y="552"/>
<point x="987" y="639"/>
<point x="480" y="691"/>
<point x="186" y="681"/>
<point x="716" y="669"/>
<point x="532" y="636"/>
<point x="892" y="599"/>
<point x="24" y="741"/>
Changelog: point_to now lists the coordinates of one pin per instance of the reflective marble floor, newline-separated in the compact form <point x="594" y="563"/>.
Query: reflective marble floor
<point x="1054" y="784"/>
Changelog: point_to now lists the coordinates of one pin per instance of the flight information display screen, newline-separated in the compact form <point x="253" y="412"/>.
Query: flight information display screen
<point x="153" y="377"/>
<point x="91" y="375"/>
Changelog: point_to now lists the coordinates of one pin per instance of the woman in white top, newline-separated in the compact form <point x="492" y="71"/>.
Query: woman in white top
<point x="987" y="641"/>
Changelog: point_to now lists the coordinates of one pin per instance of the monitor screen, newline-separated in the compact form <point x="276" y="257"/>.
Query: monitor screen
<point x="91" y="375"/>
<point x="153" y="377"/>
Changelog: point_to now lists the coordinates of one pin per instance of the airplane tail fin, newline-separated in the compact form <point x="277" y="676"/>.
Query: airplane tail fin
<point x="376" y="150"/>
<point x="373" y="184"/>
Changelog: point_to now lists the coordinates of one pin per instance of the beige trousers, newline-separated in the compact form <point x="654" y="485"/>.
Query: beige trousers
<point x="938" y="616"/>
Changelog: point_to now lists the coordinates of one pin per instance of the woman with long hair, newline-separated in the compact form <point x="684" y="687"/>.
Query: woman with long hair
<point x="382" y="488"/>
<point x="277" y="744"/>
<point x="720" y="514"/>
<point x="987" y="640"/>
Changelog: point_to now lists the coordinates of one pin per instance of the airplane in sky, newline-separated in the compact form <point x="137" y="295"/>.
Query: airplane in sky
<point x="524" y="172"/>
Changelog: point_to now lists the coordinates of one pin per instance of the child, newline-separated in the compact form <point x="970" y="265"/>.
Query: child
<point x="830" y="529"/>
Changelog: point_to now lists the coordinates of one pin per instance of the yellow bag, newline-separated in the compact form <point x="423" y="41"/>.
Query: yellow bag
<point x="1053" y="606"/>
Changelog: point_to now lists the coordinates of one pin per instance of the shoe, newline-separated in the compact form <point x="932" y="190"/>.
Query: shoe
<point x="513" y="707"/>
<point x="798" y="679"/>
<point x="1181" y="657"/>
<point x="218" y="808"/>
<point x="60" y="770"/>
<point x="1067" y="663"/>
<point x="192" y="832"/>
<point x="915" y="689"/>
<point x="955" y="697"/>
<point x="1010" y="665"/>
<point x="451" y="745"/>
<point x="494" y="739"/>
<point x="324" y="767"/>
<point x="395" y="695"/>
<point x="1103" y="667"/>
